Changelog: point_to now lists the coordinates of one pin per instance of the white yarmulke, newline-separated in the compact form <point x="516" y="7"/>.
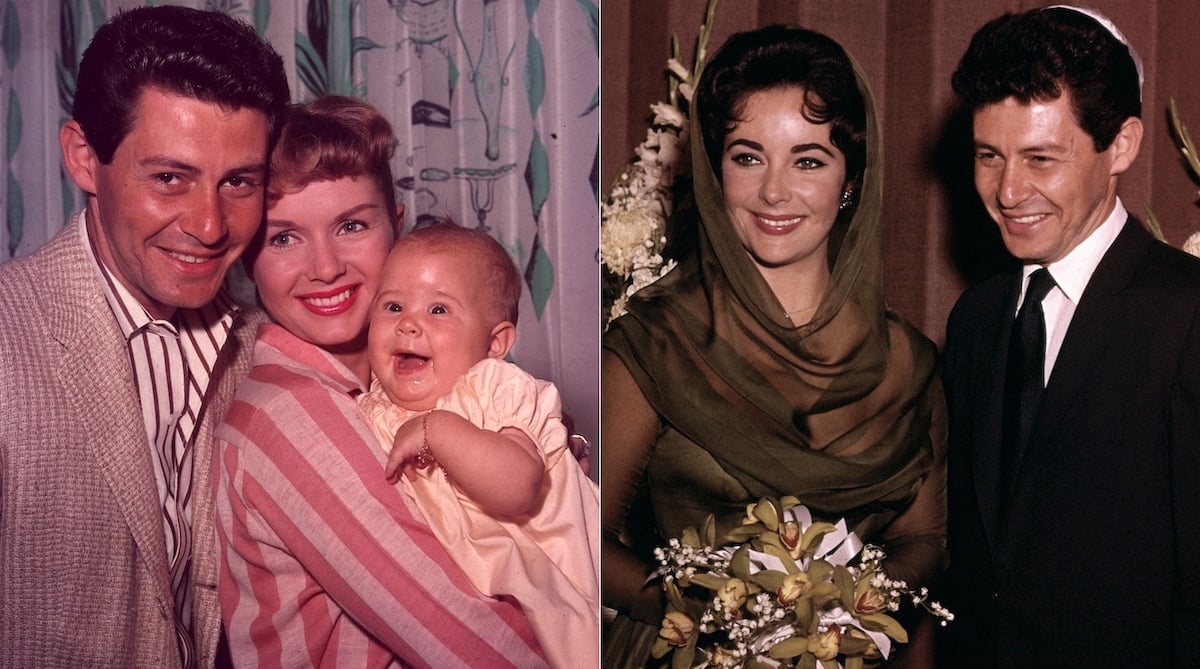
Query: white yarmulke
<point x="1116" y="32"/>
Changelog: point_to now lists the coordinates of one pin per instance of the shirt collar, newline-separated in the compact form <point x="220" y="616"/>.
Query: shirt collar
<point x="1072" y="272"/>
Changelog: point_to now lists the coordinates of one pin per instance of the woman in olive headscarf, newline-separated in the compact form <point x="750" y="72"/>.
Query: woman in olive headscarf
<point x="768" y="363"/>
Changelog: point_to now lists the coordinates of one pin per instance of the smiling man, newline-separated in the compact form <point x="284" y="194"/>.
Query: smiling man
<point x="1073" y="380"/>
<point x="119" y="353"/>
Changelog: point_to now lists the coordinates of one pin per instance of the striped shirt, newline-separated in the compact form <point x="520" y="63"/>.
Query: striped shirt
<point x="324" y="563"/>
<point x="172" y="362"/>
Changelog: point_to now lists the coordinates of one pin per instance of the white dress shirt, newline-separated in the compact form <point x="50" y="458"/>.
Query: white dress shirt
<point x="1071" y="276"/>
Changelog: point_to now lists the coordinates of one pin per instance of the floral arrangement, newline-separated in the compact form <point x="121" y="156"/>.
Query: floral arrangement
<point x="788" y="591"/>
<point x="634" y="213"/>
<point x="1188" y="149"/>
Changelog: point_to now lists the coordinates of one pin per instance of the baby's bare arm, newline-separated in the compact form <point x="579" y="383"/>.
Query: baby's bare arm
<point x="501" y="471"/>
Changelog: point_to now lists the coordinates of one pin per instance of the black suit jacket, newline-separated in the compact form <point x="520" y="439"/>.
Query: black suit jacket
<point x="1097" y="561"/>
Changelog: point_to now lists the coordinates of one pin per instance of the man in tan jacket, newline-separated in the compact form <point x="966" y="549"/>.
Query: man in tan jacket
<point x="119" y="352"/>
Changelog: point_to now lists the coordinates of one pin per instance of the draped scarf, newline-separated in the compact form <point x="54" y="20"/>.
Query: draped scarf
<point x="837" y="411"/>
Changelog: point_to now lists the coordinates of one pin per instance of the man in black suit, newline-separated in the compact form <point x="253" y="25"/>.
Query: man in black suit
<point x="1074" y="421"/>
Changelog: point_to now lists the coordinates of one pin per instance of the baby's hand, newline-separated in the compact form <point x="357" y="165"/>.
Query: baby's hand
<point x="409" y="449"/>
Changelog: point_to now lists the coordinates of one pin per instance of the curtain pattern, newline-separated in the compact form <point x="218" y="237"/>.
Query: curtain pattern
<point x="495" y="104"/>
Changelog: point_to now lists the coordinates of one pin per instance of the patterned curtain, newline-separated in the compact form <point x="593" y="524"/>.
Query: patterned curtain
<point x="495" y="103"/>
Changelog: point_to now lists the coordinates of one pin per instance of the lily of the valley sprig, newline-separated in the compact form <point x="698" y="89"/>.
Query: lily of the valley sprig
<point x="781" y="590"/>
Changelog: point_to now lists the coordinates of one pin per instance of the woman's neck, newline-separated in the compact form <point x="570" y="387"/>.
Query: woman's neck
<point x="798" y="288"/>
<point x="354" y="357"/>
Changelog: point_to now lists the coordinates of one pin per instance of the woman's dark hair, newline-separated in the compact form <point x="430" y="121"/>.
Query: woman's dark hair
<point x="208" y="56"/>
<point x="329" y="138"/>
<point x="780" y="56"/>
<point x="1040" y="54"/>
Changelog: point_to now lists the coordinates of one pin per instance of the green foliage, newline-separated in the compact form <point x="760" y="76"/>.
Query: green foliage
<point x="11" y="36"/>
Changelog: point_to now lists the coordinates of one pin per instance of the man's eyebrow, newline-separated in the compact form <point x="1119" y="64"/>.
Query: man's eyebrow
<point x="181" y="166"/>
<point x="1025" y="150"/>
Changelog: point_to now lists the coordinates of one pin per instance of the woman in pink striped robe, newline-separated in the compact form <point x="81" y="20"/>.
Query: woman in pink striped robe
<point x="324" y="562"/>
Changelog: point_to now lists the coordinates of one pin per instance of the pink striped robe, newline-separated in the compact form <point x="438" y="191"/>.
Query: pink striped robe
<point x="323" y="562"/>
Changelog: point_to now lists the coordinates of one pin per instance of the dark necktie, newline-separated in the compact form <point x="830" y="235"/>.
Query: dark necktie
<point x="1023" y="381"/>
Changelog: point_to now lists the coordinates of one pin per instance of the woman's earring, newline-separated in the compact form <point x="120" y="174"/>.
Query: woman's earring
<point x="847" y="198"/>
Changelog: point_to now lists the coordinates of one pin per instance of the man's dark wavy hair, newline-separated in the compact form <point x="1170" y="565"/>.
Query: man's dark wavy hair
<point x="777" y="56"/>
<point x="208" y="56"/>
<point x="1042" y="53"/>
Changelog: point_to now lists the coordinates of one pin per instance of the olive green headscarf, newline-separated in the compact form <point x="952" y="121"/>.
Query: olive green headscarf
<point x="836" y="412"/>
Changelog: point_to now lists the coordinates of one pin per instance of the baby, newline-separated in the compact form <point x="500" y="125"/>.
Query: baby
<point x="510" y="503"/>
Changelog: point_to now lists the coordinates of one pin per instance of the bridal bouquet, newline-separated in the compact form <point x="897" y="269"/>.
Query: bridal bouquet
<point x="787" y="591"/>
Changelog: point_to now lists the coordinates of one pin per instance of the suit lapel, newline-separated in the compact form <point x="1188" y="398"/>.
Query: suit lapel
<point x="996" y="330"/>
<point x="96" y="373"/>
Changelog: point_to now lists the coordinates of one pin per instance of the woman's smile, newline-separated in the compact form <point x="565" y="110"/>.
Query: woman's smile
<point x="330" y="302"/>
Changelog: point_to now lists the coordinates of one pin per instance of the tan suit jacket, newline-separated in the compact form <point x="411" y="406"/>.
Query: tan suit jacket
<point x="83" y="572"/>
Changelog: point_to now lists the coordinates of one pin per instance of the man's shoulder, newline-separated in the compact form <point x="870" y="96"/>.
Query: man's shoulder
<point x="984" y="296"/>
<point x="53" y="287"/>
<point x="1172" y="267"/>
<point x="62" y="257"/>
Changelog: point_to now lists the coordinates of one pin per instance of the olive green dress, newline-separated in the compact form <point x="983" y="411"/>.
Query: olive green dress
<point x="838" y="412"/>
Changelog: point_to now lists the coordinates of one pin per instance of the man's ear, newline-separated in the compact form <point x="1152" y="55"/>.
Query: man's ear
<point x="1126" y="144"/>
<point x="503" y="337"/>
<point x="78" y="157"/>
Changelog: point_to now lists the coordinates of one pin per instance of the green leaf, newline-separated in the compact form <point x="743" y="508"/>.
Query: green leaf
<point x="15" y="213"/>
<point x="537" y="175"/>
<point x="823" y="592"/>
<point x="783" y="556"/>
<point x="807" y="661"/>
<point x="772" y="539"/>
<point x="539" y="276"/>
<point x="853" y="645"/>
<point x="682" y="659"/>
<point x="660" y="647"/>
<point x="674" y="597"/>
<point x="592" y="104"/>
<point x="262" y="16"/>
<point x="535" y="74"/>
<point x="709" y="581"/>
<point x="1152" y="225"/>
<point x="853" y="662"/>
<point x="739" y="563"/>
<point x="789" y="648"/>
<point x="766" y="511"/>
<point x="743" y="533"/>
<point x="309" y="66"/>
<point x="708" y="532"/>
<point x="689" y="537"/>
<point x="806" y="614"/>
<point x="845" y="583"/>
<point x="592" y="12"/>
<point x="768" y="579"/>
<point x="13" y="126"/>
<point x="360" y="43"/>
<point x="818" y="571"/>
<point x="812" y="535"/>
<point x="881" y="622"/>
<point x="12" y="36"/>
